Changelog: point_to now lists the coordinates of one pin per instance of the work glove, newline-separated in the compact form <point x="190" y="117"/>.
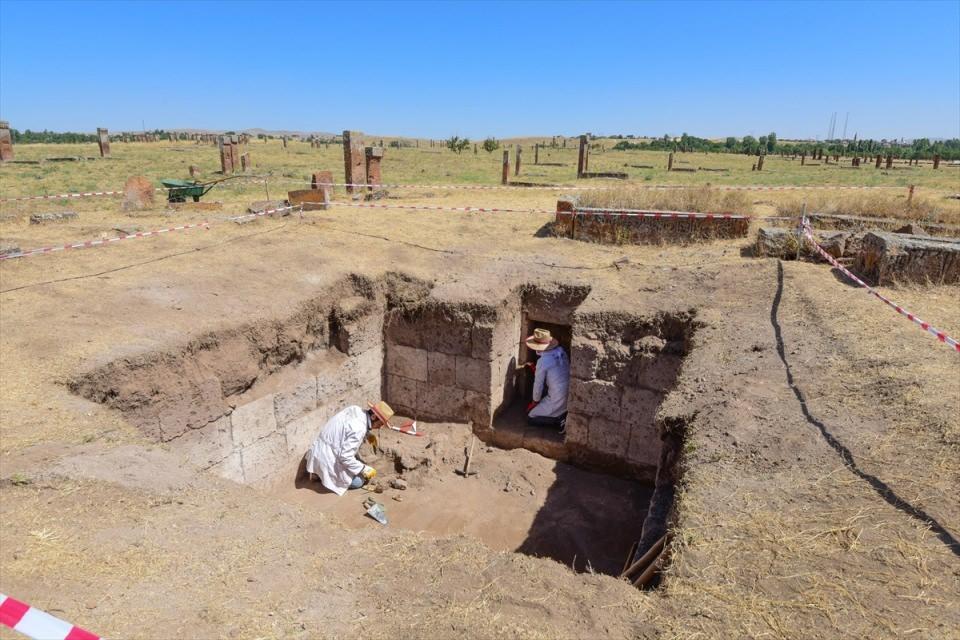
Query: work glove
<point x="368" y="473"/>
<point x="532" y="405"/>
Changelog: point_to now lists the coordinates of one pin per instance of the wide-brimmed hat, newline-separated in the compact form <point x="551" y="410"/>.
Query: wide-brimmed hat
<point x="541" y="340"/>
<point x="383" y="411"/>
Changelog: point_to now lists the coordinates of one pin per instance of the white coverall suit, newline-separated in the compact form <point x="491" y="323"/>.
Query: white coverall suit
<point x="333" y="455"/>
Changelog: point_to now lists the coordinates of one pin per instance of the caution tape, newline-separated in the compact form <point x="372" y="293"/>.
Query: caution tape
<point x="653" y="213"/>
<point x="63" y="196"/>
<point x="573" y="187"/>
<point x="551" y="187"/>
<point x="597" y="212"/>
<point x="133" y="236"/>
<point x="941" y="336"/>
<point x="37" y="624"/>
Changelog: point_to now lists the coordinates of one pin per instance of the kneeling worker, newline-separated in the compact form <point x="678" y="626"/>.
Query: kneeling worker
<point x="333" y="456"/>
<point x="548" y="409"/>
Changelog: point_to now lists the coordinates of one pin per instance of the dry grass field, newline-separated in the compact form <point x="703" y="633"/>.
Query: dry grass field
<point x="820" y="457"/>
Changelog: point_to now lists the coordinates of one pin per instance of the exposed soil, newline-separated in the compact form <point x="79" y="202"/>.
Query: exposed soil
<point x="820" y="459"/>
<point x="517" y="501"/>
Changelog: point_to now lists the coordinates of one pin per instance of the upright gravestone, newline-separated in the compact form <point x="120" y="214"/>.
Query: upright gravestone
<point x="103" y="141"/>
<point x="235" y="152"/>
<point x="323" y="180"/>
<point x="582" y="162"/>
<point x="6" y="142"/>
<point x="354" y="162"/>
<point x="373" y="156"/>
<point x="226" y="155"/>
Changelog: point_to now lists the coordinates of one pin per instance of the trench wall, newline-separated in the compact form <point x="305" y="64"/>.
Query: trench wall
<point x="621" y="369"/>
<point x="247" y="402"/>
<point x="449" y="362"/>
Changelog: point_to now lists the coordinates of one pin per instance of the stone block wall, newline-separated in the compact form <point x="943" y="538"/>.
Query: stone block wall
<point x="451" y="363"/>
<point x="265" y="432"/>
<point x="621" y="369"/>
<point x="614" y="229"/>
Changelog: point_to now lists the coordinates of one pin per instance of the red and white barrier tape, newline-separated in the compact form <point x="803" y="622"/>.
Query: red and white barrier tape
<point x="425" y="207"/>
<point x="37" y="624"/>
<point x="133" y="236"/>
<point x="941" y="336"/>
<point x="573" y="187"/>
<point x="653" y="213"/>
<point x="557" y="187"/>
<point x="63" y="196"/>
<point x="597" y="212"/>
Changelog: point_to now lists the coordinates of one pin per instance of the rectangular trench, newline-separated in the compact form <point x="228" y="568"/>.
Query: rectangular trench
<point x="246" y="403"/>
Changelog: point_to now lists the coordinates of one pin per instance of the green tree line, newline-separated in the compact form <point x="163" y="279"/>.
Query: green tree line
<point x="920" y="149"/>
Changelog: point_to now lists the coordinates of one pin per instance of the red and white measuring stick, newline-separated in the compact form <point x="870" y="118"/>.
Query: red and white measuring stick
<point x="941" y="336"/>
<point x="38" y="624"/>
<point x="133" y="236"/>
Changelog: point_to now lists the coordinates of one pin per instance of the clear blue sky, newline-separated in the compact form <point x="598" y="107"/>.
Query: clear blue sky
<point x="478" y="69"/>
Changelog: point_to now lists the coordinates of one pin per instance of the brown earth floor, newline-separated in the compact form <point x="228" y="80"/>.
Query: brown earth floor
<point x="819" y="498"/>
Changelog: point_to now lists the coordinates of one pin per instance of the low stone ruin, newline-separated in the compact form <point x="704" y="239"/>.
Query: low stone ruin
<point x="890" y="258"/>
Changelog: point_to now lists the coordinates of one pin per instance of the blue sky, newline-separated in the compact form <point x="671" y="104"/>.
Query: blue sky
<point x="477" y="69"/>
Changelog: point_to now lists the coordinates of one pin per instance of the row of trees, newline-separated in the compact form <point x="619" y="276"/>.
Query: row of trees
<point x="919" y="149"/>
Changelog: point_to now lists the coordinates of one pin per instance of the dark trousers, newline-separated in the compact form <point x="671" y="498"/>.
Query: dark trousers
<point x="554" y="422"/>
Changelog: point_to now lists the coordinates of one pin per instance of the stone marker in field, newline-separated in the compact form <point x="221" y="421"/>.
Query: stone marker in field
<point x="516" y="170"/>
<point x="373" y="156"/>
<point x="244" y="161"/>
<point x="226" y="155"/>
<point x="582" y="153"/>
<point x="536" y="154"/>
<point x="889" y="161"/>
<point x="103" y="141"/>
<point x="235" y="151"/>
<point x="670" y="161"/>
<point x="505" y="167"/>
<point x="6" y="142"/>
<point x="760" y="162"/>
<point x="137" y="194"/>
<point x="354" y="162"/>
<point x="323" y="181"/>
<point x="936" y="161"/>
<point x="309" y="199"/>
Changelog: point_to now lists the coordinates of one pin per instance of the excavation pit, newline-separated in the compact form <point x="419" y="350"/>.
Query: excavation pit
<point x="246" y="402"/>
<point x="517" y="501"/>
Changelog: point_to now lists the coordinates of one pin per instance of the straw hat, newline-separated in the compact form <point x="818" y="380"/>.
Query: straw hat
<point x="541" y="340"/>
<point x="383" y="411"/>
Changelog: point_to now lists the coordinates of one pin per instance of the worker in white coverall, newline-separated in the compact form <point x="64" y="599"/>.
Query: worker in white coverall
<point x="550" y="383"/>
<point x="333" y="455"/>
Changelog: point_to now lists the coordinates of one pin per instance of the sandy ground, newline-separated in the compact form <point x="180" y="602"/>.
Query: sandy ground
<point x="517" y="501"/>
<point x="821" y="466"/>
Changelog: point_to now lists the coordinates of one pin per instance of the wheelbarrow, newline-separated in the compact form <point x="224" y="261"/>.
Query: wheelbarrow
<point x="178" y="190"/>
